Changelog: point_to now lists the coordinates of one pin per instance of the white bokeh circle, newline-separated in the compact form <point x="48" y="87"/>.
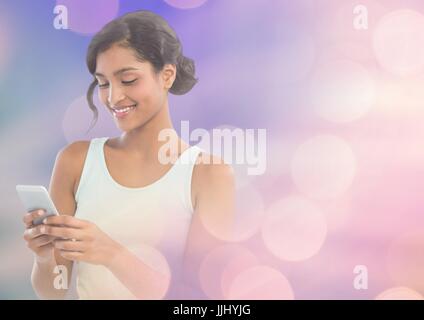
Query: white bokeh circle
<point x="78" y="118"/>
<point x="398" y="42"/>
<point x="247" y="217"/>
<point x="220" y="266"/>
<point x="323" y="167"/>
<point x="157" y="261"/>
<point x="240" y="261"/>
<point x="399" y="293"/>
<point x="294" y="229"/>
<point x="185" y="4"/>
<point x="341" y="91"/>
<point x="405" y="259"/>
<point x="260" y="283"/>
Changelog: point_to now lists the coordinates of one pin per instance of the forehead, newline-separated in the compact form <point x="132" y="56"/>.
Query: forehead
<point x="117" y="57"/>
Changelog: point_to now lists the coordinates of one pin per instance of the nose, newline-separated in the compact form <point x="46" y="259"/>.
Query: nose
<point x="115" y="95"/>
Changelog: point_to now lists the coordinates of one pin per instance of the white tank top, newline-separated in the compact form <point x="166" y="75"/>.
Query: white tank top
<point x="151" y="221"/>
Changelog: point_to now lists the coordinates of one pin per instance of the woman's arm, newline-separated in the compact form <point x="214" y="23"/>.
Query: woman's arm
<point x="213" y="194"/>
<point x="61" y="191"/>
<point x="143" y="281"/>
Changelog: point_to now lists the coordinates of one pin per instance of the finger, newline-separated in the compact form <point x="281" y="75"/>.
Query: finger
<point x="32" y="233"/>
<point x="62" y="232"/>
<point x="69" y="245"/>
<point x="31" y="216"/>
<point x="75" y="256"/>
<point x="65" y="220"/>
<point x="40" y="241"/>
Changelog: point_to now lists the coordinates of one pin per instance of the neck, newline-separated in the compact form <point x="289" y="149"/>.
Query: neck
<point x="144" y="141"/>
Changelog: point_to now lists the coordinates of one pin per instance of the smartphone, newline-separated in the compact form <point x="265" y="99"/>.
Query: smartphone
<point x="35" y="197"/>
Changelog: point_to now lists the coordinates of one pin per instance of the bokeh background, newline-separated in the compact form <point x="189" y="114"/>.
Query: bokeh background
<point x="343" y="108"/>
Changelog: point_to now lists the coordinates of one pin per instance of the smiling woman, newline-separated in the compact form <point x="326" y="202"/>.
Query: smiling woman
<point x="156" y="49"/>
<point x="132" y="223"/>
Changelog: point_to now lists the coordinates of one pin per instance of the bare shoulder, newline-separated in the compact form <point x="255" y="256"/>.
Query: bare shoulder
<point x="74" y="150"/>
<point x="73" y="155"/>
<point x="212" y="167"/>
<point x="70" y="161"/>
<point x="211" y="176"/>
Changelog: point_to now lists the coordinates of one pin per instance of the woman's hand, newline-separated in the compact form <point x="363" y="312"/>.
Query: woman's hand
<point x="41" y="244"/>
<point x="80" y="240"/>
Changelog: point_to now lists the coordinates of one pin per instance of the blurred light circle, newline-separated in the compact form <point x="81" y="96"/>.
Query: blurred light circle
<point x="294" y="229"/>
<point x="399" y="293"/>
<point x="341" y="91"/>
<point x="78" y="117"/>
<point x="241" y="260"/>
<point x="398" y="42"/>
<point x="348" y="21"/>
<point x="154" y="259"/>
<point x="76" y="120"/>
<point x="88" y="17"/>
<point x="215" y="268"/>
<point x="260" y="283"/>
<point x="401" y="97"/>
<point x="405" y="259"/>
<point x="247" y="218"/>
<point x="323" y="167"/>
<point x="185" y="4"/>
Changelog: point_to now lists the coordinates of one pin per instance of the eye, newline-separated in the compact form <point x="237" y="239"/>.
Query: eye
<point x="129" y="82"/>
<point x="104" y="85"/>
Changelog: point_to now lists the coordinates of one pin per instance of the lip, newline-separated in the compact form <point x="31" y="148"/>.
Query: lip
<point x="120" y="108"/>
<point x="123" y="115"/>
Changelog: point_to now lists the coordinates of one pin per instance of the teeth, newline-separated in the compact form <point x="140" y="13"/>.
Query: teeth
<point x="123" y="110"/>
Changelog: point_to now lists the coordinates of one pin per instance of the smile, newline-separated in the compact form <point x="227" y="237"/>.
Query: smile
<point x="122" y="112"/>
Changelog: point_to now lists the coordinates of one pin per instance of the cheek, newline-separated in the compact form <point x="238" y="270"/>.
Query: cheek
<point x="144" y="94"/>
<point x="137" y="92"/>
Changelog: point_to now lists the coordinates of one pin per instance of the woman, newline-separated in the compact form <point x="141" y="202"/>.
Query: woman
<point x="133" y="208"/>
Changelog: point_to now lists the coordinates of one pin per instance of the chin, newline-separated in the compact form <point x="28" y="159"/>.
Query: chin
<point x="134" y="124"/>
<point x="126" y="128"/>
<point x="130" y="126"/>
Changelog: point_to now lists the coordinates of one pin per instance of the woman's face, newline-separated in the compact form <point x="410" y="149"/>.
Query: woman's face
<point x="132" y="92"/>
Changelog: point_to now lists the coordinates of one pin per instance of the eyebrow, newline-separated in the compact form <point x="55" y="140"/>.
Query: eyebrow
<point x="117" y="71"/>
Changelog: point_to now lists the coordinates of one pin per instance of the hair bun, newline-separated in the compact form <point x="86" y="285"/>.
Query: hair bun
<point x="185" y="79"/>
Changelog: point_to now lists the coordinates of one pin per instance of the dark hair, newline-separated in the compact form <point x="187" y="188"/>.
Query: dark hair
<point x="152" y="39"/>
